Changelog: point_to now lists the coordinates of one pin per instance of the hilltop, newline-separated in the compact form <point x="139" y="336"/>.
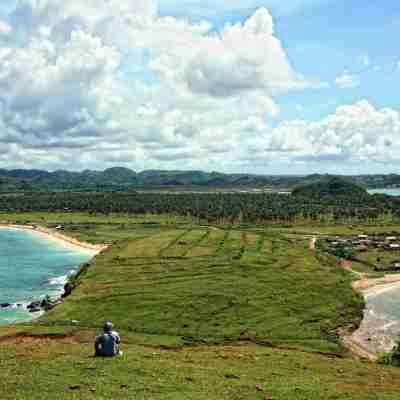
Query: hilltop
<point x="330" y="186"/>
<point x="205" y="313"/>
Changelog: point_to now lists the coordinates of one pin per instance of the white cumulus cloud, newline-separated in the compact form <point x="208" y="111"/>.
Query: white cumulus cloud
<point x="347" y="81"/>
<point x="354" y="133"/>
<point x="92" y="82"/>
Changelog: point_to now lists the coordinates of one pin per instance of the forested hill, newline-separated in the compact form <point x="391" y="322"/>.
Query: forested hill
<point x="328" y="187"/>
<point x="124" y="179"/>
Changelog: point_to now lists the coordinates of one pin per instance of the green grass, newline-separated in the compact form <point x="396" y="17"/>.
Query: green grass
<point x="148" y="285"/>
<point x="67" y="370"/>
<point x="386" y="257"/>
<point x="204" y="313"/>
<point x="338" y="229"/>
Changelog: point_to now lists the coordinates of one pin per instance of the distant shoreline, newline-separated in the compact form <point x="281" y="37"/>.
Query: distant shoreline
<point x="52" y="235"/>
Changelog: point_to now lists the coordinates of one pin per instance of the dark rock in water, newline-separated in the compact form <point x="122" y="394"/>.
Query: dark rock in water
<point x="45" y="302"/>
<point x="20" y="305"/>
<point x="34" y="305"/>
<point x="48" y="304"/>
<point x="35" y="309"/>
<point x="5" y="305"/>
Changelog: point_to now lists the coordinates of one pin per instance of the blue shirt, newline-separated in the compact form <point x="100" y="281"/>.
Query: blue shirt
<point x="107" y="344"/>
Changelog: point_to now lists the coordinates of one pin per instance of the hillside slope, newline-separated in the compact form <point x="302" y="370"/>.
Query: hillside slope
<point x="204" y="313"/>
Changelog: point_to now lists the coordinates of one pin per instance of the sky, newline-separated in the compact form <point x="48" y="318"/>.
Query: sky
<point x="251" y="86"/>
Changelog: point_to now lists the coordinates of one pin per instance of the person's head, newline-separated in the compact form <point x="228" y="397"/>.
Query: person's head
<point x="108" y="326"/>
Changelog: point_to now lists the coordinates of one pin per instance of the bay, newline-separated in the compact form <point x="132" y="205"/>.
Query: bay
<point x="389" y="192"/>
<point x="31" y="267"/>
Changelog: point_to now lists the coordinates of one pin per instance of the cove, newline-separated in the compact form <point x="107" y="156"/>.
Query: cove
<point x="380" y="328"/>
<point x="31" y="267"/>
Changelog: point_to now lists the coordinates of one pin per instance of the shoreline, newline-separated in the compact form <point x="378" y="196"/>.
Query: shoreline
<point x="373" y="286"/>
<point x="371" y="337"/>
<point x="52" y="235"/>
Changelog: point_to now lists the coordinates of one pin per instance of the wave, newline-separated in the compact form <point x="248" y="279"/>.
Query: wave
<point x="61" y="280"/>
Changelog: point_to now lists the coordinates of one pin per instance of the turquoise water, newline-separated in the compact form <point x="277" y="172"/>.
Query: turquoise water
<point x="30" y="268"/>
<point x="389" y="192"/>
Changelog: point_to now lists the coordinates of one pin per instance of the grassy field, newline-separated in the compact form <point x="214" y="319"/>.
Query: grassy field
<point x="204" y="313"/>
<point x="386" y="257"/>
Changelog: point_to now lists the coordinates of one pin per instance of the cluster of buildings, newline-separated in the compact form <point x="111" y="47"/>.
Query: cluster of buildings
<point x="363" y="243"/>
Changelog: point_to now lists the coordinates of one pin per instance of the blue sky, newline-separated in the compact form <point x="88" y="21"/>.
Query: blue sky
<point x="262" y="86"/>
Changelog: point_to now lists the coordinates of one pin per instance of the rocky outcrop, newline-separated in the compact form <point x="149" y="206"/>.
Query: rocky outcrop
<point x="34" y="307"/>
<point x="46" y="304"/>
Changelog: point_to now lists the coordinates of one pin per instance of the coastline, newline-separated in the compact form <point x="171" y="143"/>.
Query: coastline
<point x="63" y="239"/>
<point x="373" y="335"/>
<point x="373" y="286"/>
<point x="56" y="236"/>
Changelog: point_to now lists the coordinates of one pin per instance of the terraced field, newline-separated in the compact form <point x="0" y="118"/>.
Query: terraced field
<point x="214" y="284"/>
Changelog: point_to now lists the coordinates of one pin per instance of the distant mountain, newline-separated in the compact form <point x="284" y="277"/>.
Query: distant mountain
<point x="124" y="179"/>
<point x="329" y="186"/>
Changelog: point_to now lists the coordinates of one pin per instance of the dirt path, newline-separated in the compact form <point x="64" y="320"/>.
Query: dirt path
<point x="365" y="283"/>
<point x="313" y="243"/>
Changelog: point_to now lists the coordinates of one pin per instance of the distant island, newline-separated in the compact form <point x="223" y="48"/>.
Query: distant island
<point x="125" y="179"/>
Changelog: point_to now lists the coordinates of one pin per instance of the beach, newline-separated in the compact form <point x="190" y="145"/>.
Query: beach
<point x="45" y="267"/>
<point x="379" y="329"/>
<point x="57" y="236"/>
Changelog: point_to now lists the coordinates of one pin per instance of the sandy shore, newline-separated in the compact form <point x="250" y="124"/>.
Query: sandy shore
<point x="375" y="334"/>
<point x="369" y="287"/>
<point x="50" y="234"/>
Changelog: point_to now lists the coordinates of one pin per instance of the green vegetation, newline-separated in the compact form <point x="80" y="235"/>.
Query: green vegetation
<point x="345" y="252"/>
<point x="217" y="208"/>
<point x="392" y="358"/>
<point x="204" y="312"/>
<point x="124" y="179"/>
<point x="158" y="287"/>
<point x="330" y="187"/>
<point x="380" y="257"/>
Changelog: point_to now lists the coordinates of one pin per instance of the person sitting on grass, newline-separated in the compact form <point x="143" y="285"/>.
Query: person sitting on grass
<point x="107" y="344"/>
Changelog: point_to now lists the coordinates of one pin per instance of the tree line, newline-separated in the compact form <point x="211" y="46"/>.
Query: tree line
<point x="213" y="207"/>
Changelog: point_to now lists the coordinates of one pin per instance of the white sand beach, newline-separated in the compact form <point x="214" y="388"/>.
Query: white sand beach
<point x="50" y="234"/>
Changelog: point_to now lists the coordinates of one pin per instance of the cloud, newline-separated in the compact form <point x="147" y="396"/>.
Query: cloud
<point x="366" y="61"/>
<point x="5" y="28"/>
<point x="239" y="59"/>
<point x="347" y="81"/>
<point x="86" y="83"/>
<point x="354" y="133"/>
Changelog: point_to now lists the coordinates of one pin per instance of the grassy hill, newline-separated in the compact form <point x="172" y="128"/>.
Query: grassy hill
<point x="204" y="313"/>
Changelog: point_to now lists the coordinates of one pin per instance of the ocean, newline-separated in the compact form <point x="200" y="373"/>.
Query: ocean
<point x="31" y="267"/>
<point x="389" y="192"/>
